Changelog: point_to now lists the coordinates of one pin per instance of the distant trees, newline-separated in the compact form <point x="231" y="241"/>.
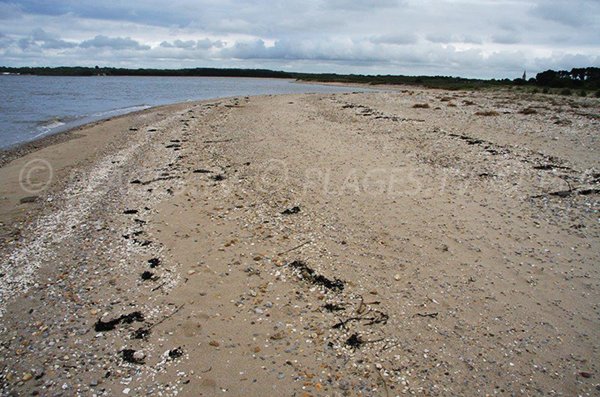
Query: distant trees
<point x="96" y="70"/>
<point x="580" y="79"/>
<point x="575" y="78"/>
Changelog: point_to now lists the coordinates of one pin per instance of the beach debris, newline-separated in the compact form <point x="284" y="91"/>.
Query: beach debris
<point x="311" y="276"/>
<point x="331" y="307"/>
<point x="133" y="356"/>
<point x="161" y="178"/>
<point x="144" y="332"/>
<point x="219" y="141"/>
<point x="148" y="275"/>
<point x="294" y="248"/>
<point x="421" y="106"/>
<point x="378" y="317"/>
<point x="102" y="326"/>
<point x="202" y="171"/>
<point x="28" y="199"/>
<point x="487" y="113"/>
<point x="291" y="211"/>
<point x="355" y="341"/>
<point x="431" y="315"/>
<point x="130" y="212"/>
<point x="141" y="333"/>
<point x="153" y="262"/>
<point x="175" y="353"/>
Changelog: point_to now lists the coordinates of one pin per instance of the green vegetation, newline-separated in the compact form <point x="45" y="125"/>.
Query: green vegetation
<point x="565" y="91"/>
<point x="444" y="82"/>
<point x="196" y="72"/>
<point x="578" y="79"/>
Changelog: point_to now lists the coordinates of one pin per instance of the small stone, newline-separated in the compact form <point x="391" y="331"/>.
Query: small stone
<point x="258" y="310"/>
<point x="397" y="277"/>
<point x="214" y="343"/>
<point x="139" y="355"/>
<point x="27" y="377"/>
<point x="126" y="390"/>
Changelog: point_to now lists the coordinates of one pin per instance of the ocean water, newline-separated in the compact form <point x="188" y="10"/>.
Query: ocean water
<point x="35" y="106"/>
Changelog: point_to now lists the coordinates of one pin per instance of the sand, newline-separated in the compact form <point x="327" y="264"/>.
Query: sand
<point x="347" y="244"/>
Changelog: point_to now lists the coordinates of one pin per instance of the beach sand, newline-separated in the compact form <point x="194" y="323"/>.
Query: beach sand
<point x="404" y="242"/>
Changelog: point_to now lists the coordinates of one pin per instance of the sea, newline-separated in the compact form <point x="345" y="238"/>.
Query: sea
<point x="32" y="107"/>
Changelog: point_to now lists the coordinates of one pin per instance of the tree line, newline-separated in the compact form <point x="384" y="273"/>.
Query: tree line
<point x="577" y="78"/>
<point x="108" y="71"/>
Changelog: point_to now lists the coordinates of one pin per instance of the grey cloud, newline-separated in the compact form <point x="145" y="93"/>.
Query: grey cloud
<point x="445" y="38"/>
<point x="571" y="13"/>
<point x="296" y="50"/>
<point x="398" y="39"/>
<point x="40" y="39"/>
<point x="506" y="38"/>
<point x="353" y="5"/>
<point x="441" y="38"/>
<point x="116" y="43"/>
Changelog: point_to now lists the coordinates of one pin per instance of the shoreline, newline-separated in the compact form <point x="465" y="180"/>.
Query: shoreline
<point x="16" y="150"/>
<point x="359" y="243"/>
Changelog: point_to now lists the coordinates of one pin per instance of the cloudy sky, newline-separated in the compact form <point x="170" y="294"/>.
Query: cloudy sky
<point x="471" y="38"/>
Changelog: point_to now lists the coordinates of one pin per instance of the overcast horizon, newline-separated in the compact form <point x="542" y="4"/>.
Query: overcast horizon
<point x="467" y="38"/>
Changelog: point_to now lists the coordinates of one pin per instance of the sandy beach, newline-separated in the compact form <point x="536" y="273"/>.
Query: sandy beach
<point x="414" y="241"/>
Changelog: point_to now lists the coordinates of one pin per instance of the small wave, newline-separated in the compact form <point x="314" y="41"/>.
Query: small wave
<point x="116" y="112"/>
<point x="52" y="123"/>
<point x="48" y="126"/>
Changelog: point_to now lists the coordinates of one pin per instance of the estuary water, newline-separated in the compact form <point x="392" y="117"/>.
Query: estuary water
<point x="35" y="106"/>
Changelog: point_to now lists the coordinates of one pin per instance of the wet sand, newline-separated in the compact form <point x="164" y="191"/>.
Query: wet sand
<point x="417" y="241"/>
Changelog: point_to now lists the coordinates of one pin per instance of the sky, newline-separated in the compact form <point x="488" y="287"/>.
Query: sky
<point x="468" y="38"/>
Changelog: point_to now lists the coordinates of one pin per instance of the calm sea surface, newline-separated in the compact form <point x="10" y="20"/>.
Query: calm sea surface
<point x="35" y="106"/>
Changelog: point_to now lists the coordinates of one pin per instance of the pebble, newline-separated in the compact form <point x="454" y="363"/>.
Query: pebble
<point x="27" y="377"/>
